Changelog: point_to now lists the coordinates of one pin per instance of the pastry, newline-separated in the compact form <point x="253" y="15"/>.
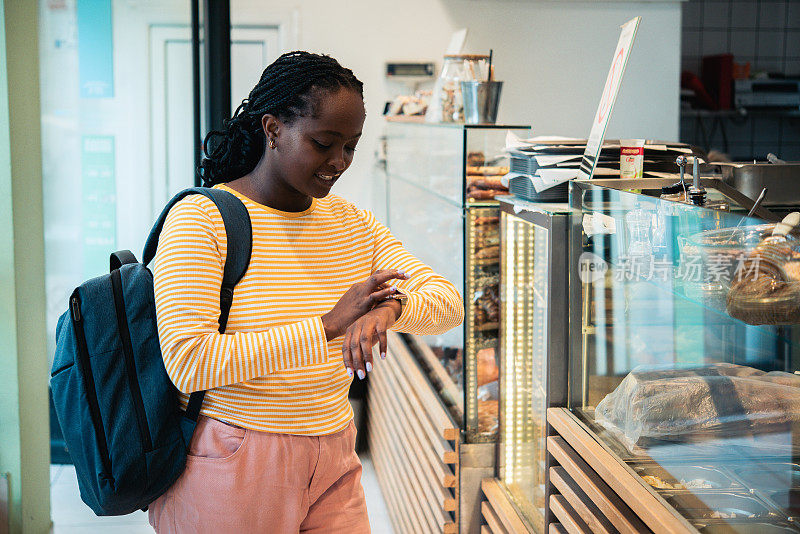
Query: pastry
<point x="475" y="159"/>
<point x="499" y="170"/>
<point x="792" y="269"/>
<point x="486" y="182"/>
<point x="487" y="416"/>
<point x="484" y="194"/>
<point x="488" y="252"/>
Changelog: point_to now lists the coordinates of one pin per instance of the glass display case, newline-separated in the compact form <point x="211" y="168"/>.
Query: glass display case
<point x="442" y="180"/>
<point x="533" y="346"/>
<point x="683" y="353"/>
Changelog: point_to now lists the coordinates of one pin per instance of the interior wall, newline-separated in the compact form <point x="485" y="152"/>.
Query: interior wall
<point x="24" y="443"/>
<point x="764" y="33"/>
<point x="553" y="57"/>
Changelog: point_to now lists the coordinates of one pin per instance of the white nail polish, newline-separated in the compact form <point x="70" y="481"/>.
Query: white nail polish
<point x="361" y="374"/>
<point x="350" y="372"/>
<point x="401" y="273"/>
<point x="369" y="367"/>
<point x="383" y="355"/>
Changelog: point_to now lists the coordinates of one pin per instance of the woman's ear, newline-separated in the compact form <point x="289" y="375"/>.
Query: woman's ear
<point x="271" y="126"/>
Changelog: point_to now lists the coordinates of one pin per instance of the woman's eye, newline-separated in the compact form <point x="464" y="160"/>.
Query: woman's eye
<point x="320" y="145"/>
<point x="350" y="149"/>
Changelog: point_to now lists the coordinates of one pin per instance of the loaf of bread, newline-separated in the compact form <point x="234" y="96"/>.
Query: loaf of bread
<point x="718" y="400"/>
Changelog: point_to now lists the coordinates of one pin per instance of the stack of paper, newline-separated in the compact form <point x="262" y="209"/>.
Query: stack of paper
<point x="551" y="161"/>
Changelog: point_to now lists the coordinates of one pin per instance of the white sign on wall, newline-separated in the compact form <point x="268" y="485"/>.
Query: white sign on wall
<point x="609" y="96"/>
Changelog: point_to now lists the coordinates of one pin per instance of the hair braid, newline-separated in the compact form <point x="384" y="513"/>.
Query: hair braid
<point x="288" y="88"/>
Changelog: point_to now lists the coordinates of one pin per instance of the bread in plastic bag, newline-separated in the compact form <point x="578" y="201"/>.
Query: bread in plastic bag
<point x="654" y="404"/>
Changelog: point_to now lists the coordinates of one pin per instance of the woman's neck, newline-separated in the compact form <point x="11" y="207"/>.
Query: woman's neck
<point x="271" y="192"/>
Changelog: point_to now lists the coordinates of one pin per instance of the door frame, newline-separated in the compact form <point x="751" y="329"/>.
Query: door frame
<point x="160" y="35"/>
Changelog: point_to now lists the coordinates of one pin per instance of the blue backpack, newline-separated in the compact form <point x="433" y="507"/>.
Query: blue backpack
<point x="117" y="407"/>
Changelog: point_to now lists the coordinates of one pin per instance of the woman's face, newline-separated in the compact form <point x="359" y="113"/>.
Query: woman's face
<point x="312" y="152"/>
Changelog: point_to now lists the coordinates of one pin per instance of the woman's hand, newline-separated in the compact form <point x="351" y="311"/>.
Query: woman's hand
<point x="358" y="300"/>
<point x="364" y="333"/>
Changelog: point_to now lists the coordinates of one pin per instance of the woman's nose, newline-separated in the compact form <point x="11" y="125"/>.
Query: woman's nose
<point x="339" y="162"/>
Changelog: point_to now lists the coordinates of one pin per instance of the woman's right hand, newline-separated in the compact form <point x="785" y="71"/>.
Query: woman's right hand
<point x="358" y="300"/>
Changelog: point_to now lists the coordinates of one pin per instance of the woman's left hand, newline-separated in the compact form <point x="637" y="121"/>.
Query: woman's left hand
<point x="364" y="333"/>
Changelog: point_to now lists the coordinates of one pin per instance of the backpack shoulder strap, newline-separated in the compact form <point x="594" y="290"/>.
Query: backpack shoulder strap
<point x="239" y="233"/>
<point x="237" y="227"/>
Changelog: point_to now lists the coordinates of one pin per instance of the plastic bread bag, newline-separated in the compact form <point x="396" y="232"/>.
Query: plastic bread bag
<point x="654" y="404"/>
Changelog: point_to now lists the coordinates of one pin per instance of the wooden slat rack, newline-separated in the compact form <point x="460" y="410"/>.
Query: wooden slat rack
<point x="499" y="514"/>
<point x="414" y="445"/>
<point x="594" y="492"/>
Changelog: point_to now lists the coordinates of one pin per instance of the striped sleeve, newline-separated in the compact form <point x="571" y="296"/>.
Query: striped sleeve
<point x="434" y="305"/>
<point x="187" y="278"/>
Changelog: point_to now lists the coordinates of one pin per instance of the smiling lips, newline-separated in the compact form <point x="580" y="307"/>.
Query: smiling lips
<point x="327" y="177"/>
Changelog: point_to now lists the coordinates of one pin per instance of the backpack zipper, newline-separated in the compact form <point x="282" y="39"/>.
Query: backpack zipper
<point x="130" y="364"/>
<point x="91" y="392"/>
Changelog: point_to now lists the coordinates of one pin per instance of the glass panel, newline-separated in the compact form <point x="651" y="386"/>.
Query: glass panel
<point x="686" y="362"/>
<point x="486" y="163"/>
<point x="432" y="229"/>
<point x="524" y="345"/>
<point x="103" y="153"/>
<point x="429" y="168"/>
<point x="430" y="157"/>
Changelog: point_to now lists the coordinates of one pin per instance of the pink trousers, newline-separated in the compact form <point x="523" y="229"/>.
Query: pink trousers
<point x="242" y="481"/>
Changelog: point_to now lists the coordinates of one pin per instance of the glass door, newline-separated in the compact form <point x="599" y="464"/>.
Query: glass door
<point x="117" y="123"/>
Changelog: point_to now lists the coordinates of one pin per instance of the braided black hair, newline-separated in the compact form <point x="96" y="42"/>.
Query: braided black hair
<point x="287" y="89"/>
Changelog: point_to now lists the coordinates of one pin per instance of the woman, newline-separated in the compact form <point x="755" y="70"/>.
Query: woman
<point x="274" y="447"/>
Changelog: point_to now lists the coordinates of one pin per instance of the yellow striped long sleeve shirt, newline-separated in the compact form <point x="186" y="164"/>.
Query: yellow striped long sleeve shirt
<point x="273" y="369"/>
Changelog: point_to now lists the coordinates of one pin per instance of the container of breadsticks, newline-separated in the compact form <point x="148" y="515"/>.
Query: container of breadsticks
<point x="447" y="102"/>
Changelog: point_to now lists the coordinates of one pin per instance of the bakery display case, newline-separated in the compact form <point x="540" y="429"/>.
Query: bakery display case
<point x="433" y="410"/>
<point x="442" y="180"/>
<point x="684" y="402"/>
<point x="533" y="347"/>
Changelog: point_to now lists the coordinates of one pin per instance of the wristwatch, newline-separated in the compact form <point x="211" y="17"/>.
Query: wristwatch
<point x="402" y="298"/>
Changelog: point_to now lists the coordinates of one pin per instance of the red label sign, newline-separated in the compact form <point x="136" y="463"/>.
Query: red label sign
<point x="632" y="151"/>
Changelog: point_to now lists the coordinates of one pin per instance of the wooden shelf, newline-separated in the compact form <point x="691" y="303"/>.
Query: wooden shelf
<point x="405" y="118"/>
